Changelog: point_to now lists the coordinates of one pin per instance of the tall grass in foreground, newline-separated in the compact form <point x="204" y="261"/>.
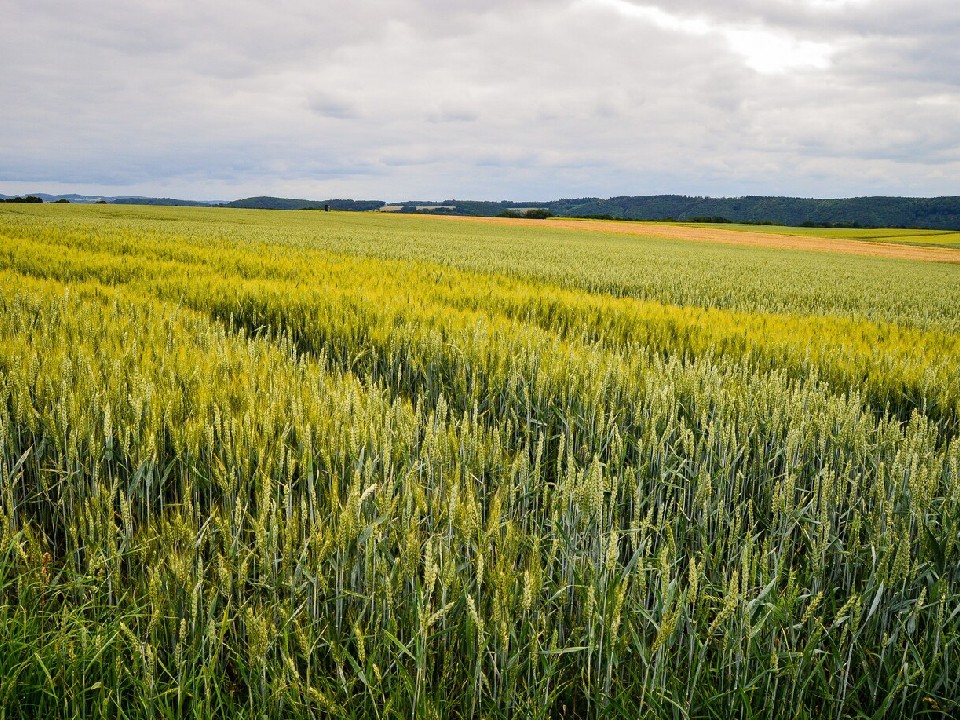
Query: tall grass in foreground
<point x="253" y="496"/>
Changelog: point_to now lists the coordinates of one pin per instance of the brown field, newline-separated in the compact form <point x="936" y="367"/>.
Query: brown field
<point x="743" y="238"/>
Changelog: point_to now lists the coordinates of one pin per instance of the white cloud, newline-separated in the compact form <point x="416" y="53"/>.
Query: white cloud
<point x="774" y="53"/>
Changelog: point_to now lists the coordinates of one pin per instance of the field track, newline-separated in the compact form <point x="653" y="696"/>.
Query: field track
<point x="745" y="238"/>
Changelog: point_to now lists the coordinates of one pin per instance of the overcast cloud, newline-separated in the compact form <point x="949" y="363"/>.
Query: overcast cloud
<point x="437" y="99"/>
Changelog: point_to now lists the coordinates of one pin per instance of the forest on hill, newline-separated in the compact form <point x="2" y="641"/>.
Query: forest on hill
<point x="937" y="213"/>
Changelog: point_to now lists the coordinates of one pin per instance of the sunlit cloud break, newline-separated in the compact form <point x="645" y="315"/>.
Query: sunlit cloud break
<point x="764" y="50"/>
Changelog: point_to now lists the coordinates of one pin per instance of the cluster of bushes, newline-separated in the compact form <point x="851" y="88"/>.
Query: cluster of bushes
<point x="599" y="216"/>
<point x="26" y="199"/>
<point x="709" y="219"/>
<point x="531" y="214"/>
<point x="721" y="219"/>
<point x="840" y="224"/>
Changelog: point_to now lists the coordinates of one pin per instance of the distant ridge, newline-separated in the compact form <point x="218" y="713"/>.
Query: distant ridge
<point x="937" y="213"/>
<point x="160" y="201"/>
<point x="115" y="199"/>
<point x="265" y="202"/>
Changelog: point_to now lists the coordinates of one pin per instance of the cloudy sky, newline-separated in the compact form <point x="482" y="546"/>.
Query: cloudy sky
<point x="520" y="99"/>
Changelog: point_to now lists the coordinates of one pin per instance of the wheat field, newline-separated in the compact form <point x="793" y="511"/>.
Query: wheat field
<point x="311" y="464"/>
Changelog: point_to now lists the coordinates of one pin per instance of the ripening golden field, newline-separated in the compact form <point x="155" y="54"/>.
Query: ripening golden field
<point x="347" y="465"/>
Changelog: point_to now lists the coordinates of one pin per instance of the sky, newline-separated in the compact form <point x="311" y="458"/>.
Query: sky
<point x="500" y="99"/>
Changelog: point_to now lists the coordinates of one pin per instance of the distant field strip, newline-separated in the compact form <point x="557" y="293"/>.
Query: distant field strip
<point x="909" y="236"/>
<point x="751" y="238"/>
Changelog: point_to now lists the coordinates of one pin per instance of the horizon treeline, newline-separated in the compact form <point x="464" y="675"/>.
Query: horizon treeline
<point x="942" y="213"/>
<point x="938" y="213"/>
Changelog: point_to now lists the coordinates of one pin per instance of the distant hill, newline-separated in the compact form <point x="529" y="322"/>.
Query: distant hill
<point x="115" y="199"/>
<point x="158" y="201"/>
<point x="265" y="202"/>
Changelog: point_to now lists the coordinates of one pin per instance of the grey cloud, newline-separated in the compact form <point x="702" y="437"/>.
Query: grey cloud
<point x="453" y="114"/>
<point x="332" y="107"/>
<point x="509" y="98"/>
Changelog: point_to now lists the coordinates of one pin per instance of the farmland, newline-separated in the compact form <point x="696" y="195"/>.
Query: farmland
<point x="351" y="465"/>
<point x="890" y="235"/>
